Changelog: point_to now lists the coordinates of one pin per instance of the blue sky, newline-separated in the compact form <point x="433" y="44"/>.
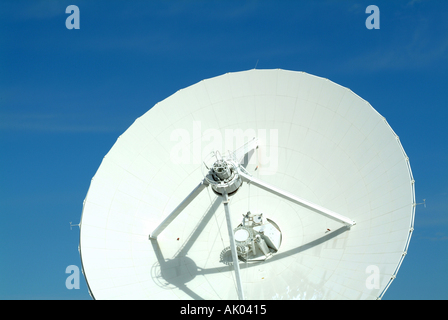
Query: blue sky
<point x="66" y="96"/>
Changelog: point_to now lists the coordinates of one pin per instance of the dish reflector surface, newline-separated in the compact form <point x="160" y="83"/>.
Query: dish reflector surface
<point x="317" y="140"/>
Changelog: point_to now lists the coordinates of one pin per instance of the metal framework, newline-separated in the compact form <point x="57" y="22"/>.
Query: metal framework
<point x="225" y="177"/>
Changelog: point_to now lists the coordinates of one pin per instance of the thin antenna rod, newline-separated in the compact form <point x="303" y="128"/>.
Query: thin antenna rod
<point x="423" y="203"/>
<point x="256" y="64"/>
<point x="74" y="225"/>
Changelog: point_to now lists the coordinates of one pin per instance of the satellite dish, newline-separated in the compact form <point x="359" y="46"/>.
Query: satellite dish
<point x="262" y="184"/>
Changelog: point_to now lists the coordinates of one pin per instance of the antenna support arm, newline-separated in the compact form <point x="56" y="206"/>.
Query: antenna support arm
<point x="233" y="247"/>
<point x="293" y="198"/>
<point x="196" y="191"/>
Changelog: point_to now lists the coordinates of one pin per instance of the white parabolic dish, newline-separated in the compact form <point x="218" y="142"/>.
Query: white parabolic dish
<point x="316" y="140"/>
